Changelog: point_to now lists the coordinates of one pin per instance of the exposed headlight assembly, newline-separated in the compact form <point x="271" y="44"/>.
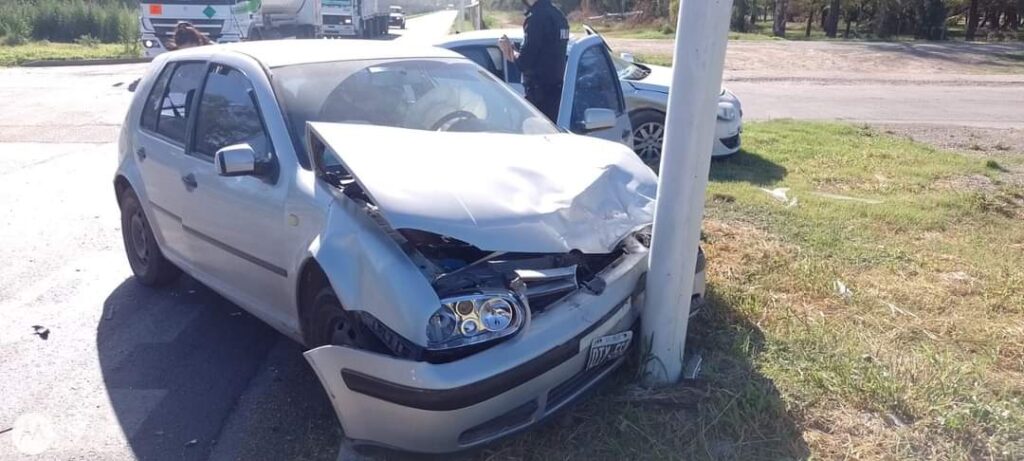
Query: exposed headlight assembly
<point x="474" y="319"/>
<point x="726" y="111"/>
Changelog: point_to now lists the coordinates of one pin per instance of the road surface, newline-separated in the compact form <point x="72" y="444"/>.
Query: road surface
<point x="94" y="366"/>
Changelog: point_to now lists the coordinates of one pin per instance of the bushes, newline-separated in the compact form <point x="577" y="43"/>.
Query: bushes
<point x="68" y="20"/>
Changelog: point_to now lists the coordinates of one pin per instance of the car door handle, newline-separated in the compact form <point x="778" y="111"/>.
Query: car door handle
<point x="141" y="153"/>
<point x="190" y="182"/>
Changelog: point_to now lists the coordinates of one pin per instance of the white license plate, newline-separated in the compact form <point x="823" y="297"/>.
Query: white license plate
<point x="608" y="348"/>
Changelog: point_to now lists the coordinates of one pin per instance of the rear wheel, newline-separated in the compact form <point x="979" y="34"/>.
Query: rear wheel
<point x="148" y="263"/>
<point x="648" y="135"/>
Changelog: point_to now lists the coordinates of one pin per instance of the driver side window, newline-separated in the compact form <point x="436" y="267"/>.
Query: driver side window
<point x="228" y="114"/>
<point x="597" y="85"/>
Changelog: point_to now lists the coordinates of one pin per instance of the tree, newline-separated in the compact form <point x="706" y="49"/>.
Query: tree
<point x="781" y="12"/>
<point x="972" y="20"/>
<point x="832" y="21"/>
<point x="740" y="11"/>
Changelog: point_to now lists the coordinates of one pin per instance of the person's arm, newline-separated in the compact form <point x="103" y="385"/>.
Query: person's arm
<point x="536" y="30"/>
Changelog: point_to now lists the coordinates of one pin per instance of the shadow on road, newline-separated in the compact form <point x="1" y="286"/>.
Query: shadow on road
<point x="190" y="375"/>
<point x="748" y="167"/>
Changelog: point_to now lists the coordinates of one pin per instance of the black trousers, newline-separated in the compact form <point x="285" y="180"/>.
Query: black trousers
<point x="546" y="98"/>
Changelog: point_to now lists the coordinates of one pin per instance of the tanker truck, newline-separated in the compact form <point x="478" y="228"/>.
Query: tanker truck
<point x="288" y="18"/>
<point x="355" y="18"/>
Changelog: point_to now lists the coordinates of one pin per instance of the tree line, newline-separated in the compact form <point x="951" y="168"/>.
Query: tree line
<point x="110" y="21"/>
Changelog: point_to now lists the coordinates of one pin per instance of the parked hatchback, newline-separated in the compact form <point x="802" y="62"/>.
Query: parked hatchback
<point x="644" y="89"/>
<point x="459" y="267"/>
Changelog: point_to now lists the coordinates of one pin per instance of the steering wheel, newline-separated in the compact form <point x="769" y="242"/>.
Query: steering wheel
<point x="448" y="120"/>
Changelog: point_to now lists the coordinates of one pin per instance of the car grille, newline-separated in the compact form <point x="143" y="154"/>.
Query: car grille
<point x="547" y="286"/>
<point x="164" y="28"/>
<point x="334" y="20"/>
<point x="732" y="141"/>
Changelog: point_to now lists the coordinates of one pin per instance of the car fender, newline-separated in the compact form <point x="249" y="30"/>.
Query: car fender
<point x="369" y="272"/>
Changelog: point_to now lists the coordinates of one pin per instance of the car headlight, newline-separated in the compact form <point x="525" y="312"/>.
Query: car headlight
<point x="474" y="319"/>
<point x="148" y="43"/>
<point x="726" y="111"/>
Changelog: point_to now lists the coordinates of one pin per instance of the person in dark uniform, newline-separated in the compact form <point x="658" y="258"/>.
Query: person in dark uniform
<point x="541" y="58"/>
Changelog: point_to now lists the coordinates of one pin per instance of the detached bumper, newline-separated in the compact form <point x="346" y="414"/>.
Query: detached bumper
<point x="441" y="408"/>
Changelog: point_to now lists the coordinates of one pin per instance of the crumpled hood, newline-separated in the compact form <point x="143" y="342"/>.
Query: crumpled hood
<point x="500" y="192"/>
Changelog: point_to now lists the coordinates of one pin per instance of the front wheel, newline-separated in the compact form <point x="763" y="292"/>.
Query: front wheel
<point x="648" y="135"/>
<point x="148" y="263"/>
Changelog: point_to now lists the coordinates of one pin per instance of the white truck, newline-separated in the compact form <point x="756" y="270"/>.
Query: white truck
<point x="355" y="18"/>
<point x="225" y="21"/>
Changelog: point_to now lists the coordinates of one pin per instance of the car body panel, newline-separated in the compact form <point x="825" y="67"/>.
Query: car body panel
<point x="518" y="199"/>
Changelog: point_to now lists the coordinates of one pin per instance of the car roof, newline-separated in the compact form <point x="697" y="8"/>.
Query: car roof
<point x="279" y="53"/>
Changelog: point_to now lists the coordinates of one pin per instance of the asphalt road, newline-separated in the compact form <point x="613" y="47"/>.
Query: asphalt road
<point x="95" y="366"/>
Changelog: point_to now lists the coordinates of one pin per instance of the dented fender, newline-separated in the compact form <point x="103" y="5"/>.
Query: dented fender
<point x="369" y="272"/>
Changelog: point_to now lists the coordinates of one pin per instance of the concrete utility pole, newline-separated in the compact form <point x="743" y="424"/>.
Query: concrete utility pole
<point x="701" y="35"/>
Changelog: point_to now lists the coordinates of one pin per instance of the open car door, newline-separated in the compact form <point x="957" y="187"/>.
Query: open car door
<point x="592" y="102"/>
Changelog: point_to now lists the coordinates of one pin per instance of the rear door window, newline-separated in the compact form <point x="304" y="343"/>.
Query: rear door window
<point x="172" y="109"/>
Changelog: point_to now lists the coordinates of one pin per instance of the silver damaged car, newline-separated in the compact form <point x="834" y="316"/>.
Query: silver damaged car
<point x="458" y="266"/>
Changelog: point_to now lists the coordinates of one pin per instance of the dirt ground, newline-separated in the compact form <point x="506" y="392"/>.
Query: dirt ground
<point x="971" y="140"/>
<point x="863" y="59"/>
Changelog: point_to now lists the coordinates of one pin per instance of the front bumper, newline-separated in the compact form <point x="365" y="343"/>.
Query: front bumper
<point x="442" y="408"/>
<point x="727" y="137"/>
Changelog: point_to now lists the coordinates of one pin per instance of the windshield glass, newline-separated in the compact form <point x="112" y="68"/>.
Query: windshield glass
<point x="628" y="70"/>
<point x="419" y="94"/>
<point x="396" y="9"/>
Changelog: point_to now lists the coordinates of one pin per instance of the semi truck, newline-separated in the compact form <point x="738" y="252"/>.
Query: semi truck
<point x="225" y="21"/>
<point x="355" y="18"/>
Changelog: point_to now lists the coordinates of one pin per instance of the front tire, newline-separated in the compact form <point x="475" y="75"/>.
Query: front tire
<point x="648" y="135"/>
<point x="148" y="263"/>
<point x="329" y="323"/>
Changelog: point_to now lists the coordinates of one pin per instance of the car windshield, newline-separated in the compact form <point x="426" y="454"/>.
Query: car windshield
<point x="420" y="94"/>
<point x="630" y="71"/>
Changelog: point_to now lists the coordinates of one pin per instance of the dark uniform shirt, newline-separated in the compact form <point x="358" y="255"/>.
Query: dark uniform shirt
<point x="546" y="36"/>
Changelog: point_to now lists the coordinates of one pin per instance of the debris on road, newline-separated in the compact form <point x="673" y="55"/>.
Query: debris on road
<point x="41" y="331"/>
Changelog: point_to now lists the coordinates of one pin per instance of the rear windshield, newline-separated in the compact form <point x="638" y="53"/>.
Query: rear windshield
<point x="421" y="94"/>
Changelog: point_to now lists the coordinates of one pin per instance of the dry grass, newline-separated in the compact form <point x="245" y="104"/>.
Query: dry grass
<point x="921" y="356"/>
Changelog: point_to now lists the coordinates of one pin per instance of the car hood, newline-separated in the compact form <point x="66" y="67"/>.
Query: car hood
<point x="499" y="192"/>
<point x="659" y="80"/>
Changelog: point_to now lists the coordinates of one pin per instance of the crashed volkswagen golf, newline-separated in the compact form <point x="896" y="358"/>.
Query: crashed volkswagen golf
<point x="458" y="266"/>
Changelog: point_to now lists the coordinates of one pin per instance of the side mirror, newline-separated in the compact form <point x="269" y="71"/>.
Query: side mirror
<point x="236" y="160"/>
<point x="628" y="57"/>
<point x="595" y="119"/>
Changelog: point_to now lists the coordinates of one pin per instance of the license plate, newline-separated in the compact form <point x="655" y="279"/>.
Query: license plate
<point x="608" y="348"/>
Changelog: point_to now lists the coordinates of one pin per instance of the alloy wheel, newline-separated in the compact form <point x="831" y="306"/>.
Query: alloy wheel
<point x="647" y="139"/>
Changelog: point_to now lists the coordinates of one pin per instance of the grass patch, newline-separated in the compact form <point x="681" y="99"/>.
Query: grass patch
<point x="922" y="354"/>
<point x="36" y="51"/>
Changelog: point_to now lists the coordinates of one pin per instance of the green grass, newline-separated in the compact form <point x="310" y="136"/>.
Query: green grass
<point x="36" y="51"/>
<point x="925" y="357"/>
